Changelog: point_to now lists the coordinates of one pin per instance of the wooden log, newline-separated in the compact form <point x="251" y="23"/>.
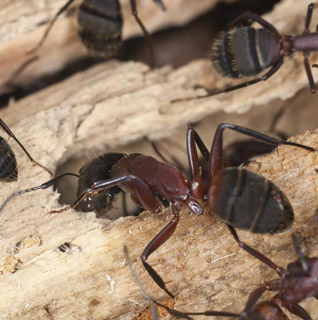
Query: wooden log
<point x="121" y="102"/>
<point x="90" y="279"/>
<point x="23" y="25"/>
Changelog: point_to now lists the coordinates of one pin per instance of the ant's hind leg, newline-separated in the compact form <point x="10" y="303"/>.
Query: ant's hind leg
<point x="47" y="31"/>
<point x="145" y="32"/>
<point x="254" y="17"/>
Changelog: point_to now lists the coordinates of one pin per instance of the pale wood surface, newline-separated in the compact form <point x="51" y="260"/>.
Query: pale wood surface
<point x="116" y="103"/>
<point x="23" y="23"/>
<point x="121" y="102"/>
<point x="201" y="263"/>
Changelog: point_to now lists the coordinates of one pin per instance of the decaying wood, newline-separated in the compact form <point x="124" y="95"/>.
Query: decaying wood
<point x="24" y="22"/>
<point x="115" y="103"/>
<point x="120" y="102"/>
<point x="201" y="263"/>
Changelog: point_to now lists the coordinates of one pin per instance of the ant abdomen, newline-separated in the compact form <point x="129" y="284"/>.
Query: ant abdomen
<point x="8" y="162"/>
<point x="249" y="201"/>
<point x="100" y="24"/>
<point x="245" y="51"/>
<point x="92" y="172"/>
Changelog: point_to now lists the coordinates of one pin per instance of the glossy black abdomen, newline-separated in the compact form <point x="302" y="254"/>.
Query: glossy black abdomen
<point x="245" y="51"/>
<point x="100" y="25"/>
<point x="249" y="201"/>
<point x="8" y="163"/>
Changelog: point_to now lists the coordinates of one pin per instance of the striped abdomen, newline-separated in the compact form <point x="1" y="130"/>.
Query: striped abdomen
<point x="8" y="162"/>
<point x="245" y="51"/>
<point x="100" y="25"/>
<point x="249" y="201"/>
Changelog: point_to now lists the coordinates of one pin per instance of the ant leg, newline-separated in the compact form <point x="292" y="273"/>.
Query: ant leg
<point x="311" y="7"/>
<point x="185" y="315"/>
<point x="17" y="72"/>
<point x="266" y="76"/>
<point x="216" y="161"/>
<point x="193" y="140"/>
<point x="252" y="299"/>
<point x="298" y="250"/>
<point x="298" y="311"/>
<point x="280" y="271"/>
<point x="145" y="32"/>
<point x="44" y="185"/>
<point x="11" y="134"/>
<point x="254" y="17"/>
<point x="293" y="308"/>
<point x="46" y="33"/>
<point x="309" y="74"/>
<point x="174" y="161"/>
<point x="210" y="93"/>
<point x="153" y="245"/>
<point x="146" y="196"/>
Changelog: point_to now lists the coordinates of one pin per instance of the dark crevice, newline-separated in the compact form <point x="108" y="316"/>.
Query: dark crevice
<point x="175" y="46"/>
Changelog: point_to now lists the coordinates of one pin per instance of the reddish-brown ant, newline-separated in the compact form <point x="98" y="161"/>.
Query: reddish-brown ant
<point x="246" y="51"/>
<point x="242" y="198"/>
<point x="8" y="162"/>
<point x="297" y="283"/>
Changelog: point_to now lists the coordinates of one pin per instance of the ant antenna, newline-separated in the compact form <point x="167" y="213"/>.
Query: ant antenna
<point x="44" y="185"/>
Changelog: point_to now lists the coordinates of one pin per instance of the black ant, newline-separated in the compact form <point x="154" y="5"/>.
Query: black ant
<point x="297" y="283"/>
<point x="8" y="162"/>
<point x="246" y="51"/>
<point x="100" y="26"/>
<point x="242" y="198"/>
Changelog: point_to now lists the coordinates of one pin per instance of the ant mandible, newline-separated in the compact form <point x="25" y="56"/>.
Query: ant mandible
<point x="8" y="162"/>
<point x="246" y="51"/>
<point x="297" y="283"/>
<point x="242" y="198"/>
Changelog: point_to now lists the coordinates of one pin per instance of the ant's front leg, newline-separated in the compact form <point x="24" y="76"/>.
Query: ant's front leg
<point x="153" y="245"/>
